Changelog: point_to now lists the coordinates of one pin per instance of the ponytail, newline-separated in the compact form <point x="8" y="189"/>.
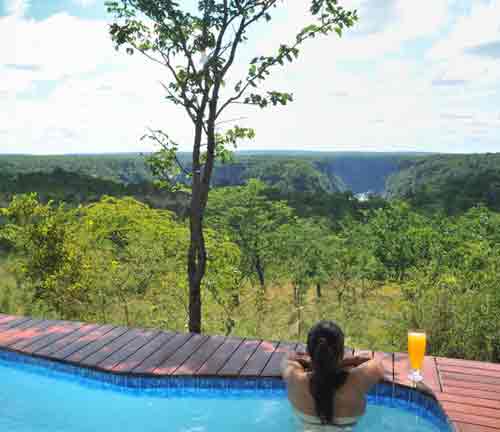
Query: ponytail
<point x="326" y="376"/>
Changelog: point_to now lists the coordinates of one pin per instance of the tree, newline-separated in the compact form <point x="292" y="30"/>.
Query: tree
<point x="291" y="176"/>
<point x="137" y="246"/>
<point x="44" y="238"/>
<point x="252" y="222"/>
<point x="176" y="38"/>
<point x="307" y="258"/>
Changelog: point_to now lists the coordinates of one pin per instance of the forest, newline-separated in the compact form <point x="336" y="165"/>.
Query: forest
<point x="285" y="248"/>
<point x="358" y="172"/>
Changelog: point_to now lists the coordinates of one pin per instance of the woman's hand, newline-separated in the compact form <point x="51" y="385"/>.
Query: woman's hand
<point x="302" y="358"/>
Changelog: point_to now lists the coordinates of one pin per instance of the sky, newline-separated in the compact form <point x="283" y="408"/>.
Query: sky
<point x="409" y="76"/>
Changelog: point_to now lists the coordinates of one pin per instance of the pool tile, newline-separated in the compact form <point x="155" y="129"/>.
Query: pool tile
<point x="386" y="394"/>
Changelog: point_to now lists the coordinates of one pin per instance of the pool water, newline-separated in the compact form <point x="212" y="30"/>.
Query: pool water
<point x="34" y="400"/>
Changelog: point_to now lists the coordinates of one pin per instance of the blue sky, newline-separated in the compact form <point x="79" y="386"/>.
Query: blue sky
<point x="411" y="76"/>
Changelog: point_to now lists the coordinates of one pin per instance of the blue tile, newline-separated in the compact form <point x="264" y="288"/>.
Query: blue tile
<point x="401" y="393"/>
<point x="396" y="396"/>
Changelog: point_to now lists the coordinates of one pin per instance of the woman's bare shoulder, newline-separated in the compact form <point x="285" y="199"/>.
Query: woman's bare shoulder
<point x="367" y="375"/>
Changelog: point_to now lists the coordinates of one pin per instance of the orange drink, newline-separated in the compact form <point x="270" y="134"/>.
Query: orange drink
<point x="416" y="353"/>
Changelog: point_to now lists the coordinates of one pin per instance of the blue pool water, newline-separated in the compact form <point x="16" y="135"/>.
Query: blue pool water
<point x="34" y="398"/>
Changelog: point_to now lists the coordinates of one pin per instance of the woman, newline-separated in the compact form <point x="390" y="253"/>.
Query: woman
<point x="323" y="387"/>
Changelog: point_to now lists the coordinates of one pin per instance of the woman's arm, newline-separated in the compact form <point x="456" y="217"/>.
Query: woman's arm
<point x="356" y="361"/>
<point x="305" y="360"/>
<point x="294" y="363"/>
<point x="368" y="374"/>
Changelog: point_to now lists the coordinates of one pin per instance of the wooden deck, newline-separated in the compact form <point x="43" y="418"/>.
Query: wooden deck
<point x="468" y="391"/>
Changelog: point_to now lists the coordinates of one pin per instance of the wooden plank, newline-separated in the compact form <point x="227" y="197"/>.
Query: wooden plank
<point x="273" y="367"/>
<point x="10" y="320"/>
<point x="470" y="378"/>
<point x="26" y="329"/>
<point x="469" y="371"/>
<point x="13" y="324"/>
<point x="176" y="360"/>
<point x="363" y="353"/>
<point x="96" y="352"/>
<point x="469" y="409"/>
<point x="82" y="342"/>
<point x="202" y="354"/>
<point x="33" y="334"/>
<point x="431" y="374"/>
<point x="478" y="420"/>
<point x="108" y="349"/>
<point x="472" y="401"/>
<point x="143" y="353"/>
<point x="386" y="359"/>
<point x="471" y="386"/>
<point x="429" y="371"/>
<point x="402" y="368"/>
<point x="159" y="356"/>
<point x="471" y="392"/>
<point x="239" y="358"/>
<point x="65" y="341"/>
<point x="301" y="348"/>
<point x="52" y="333"/>
<point x="220" y="357"/>
<point x="259" y="359"/>
<point x="88" y="350"/>
<point x="463" y="427"/>
<point x="141" y="339"/>
<point x="470" y="364"/>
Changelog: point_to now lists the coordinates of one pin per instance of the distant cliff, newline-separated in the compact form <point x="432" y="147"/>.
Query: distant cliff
<point x="451" y="183"/>
<point x="76" y="188"/>
<point x="357" y="172"/>
<point x="300" y="171"/>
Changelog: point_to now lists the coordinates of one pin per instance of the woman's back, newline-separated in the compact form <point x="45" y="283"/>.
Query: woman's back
<point x="348" y="400"/>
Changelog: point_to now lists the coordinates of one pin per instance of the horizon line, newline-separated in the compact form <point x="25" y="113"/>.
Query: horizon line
<point x="111" y="153"/>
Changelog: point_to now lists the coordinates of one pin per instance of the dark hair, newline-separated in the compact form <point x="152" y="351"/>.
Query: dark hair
<point x="325" y="345"/>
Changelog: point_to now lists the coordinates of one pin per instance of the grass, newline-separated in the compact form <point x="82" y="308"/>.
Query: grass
<point x="7" y="288"/>
<point x="366" y="320"/>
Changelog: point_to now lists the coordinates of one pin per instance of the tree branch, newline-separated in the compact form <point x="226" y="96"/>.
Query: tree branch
<point x="262" y="71"/>
<point x="155" y="138"/>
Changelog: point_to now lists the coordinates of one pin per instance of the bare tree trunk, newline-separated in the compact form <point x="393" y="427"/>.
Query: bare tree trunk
<point x="196" y="266"/>
<point x="318" y="290"/>
<point x="260" y="273"/>
<point x="197" y="257"/>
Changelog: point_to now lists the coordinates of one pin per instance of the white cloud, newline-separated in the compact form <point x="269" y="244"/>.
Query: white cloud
<point x="85" y="3"/>
<point x="107" y="113"/>
<point x="382" y="27"/>
<point x="17" y="8"/>
<point x="104" y="100"/>
<point x="480" y="26"/>
<point x="57" y="46"/>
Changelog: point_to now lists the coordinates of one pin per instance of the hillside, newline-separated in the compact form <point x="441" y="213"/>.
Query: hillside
<point x="453" y="183"/>
<point x="75" y="188"/>
<point x="358" y="172"/>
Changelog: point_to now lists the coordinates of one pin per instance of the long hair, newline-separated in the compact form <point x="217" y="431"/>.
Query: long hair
<point x="325" y="345"/>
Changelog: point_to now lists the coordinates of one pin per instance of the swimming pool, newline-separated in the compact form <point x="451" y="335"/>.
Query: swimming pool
<point x="41" y="396"/>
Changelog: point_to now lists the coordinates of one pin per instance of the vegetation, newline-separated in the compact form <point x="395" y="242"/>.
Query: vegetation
<point x="291" y="176"/>
<point x="449" y="183"/>
<point x="356" y="172"/>
<point x="198" y="49"/>
<point x="378" y="270"/>
<point x="285" y="251"/>
<point x="76" y="188"/>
